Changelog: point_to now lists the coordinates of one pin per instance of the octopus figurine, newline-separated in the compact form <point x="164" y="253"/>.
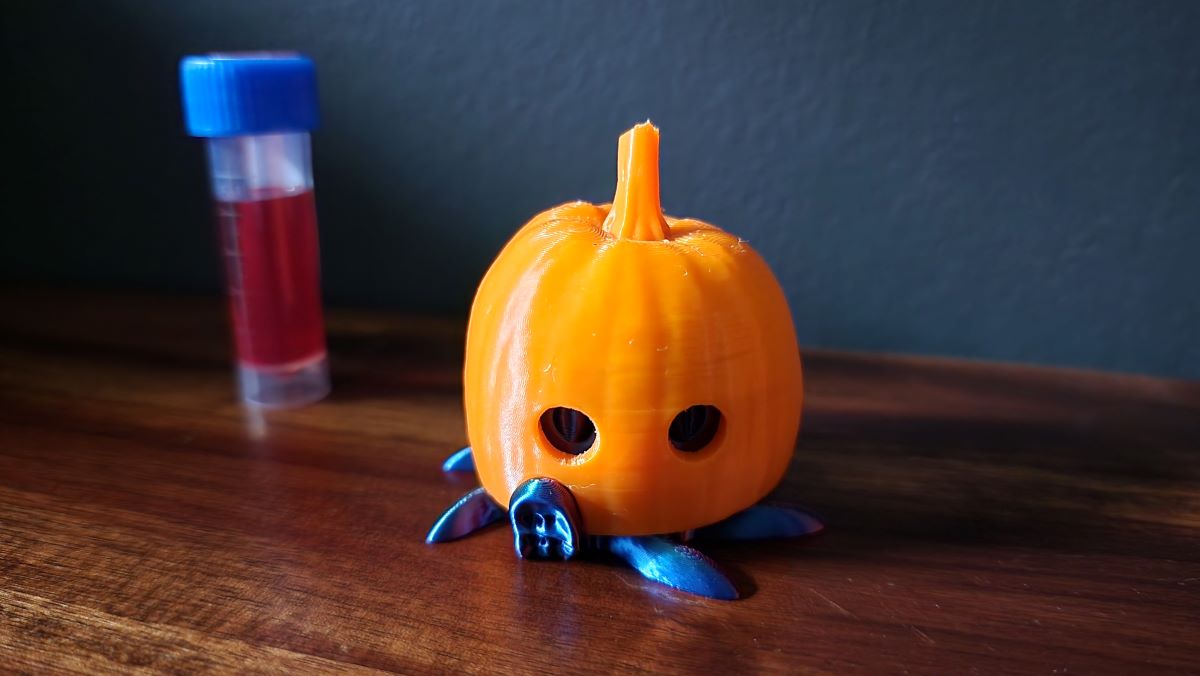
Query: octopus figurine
<point x="632" y="386"/>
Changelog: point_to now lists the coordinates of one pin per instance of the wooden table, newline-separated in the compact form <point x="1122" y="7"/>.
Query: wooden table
<point x="988" y="518"/>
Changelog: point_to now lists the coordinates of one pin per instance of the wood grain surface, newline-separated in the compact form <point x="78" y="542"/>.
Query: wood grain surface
<point x="983" y="519"/>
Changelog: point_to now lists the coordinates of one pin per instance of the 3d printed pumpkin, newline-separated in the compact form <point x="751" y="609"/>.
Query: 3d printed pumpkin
<point x="642" y="368"/>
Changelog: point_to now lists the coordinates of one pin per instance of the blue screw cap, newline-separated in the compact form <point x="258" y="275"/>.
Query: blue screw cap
<point x="237" y="94"/>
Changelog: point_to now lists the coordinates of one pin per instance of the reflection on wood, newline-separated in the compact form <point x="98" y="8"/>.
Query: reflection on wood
<point x="989" y="516"/>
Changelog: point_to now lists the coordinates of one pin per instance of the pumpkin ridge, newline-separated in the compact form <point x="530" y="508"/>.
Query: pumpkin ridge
<point x="746" y="286"/>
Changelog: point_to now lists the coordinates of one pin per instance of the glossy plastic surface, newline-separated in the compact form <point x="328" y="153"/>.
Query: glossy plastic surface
<point x="459" y="461"/>
<point x="631" y="317"/>
<point x="248" y="93"/>
<point x="673" y="564"/>
<point x="545" y="521"/>
<point x="267" y="217"/>
<point x="473" y="511"/>
<point x="547" y="526"/>
<point x="762" y="522"/>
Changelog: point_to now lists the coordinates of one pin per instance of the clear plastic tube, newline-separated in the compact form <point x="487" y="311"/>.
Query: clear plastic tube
<point x="263" y="189"/>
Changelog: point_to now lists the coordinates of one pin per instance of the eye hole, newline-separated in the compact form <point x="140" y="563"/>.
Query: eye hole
<point x="694" y="428"/>
<point x="568" y="430"/>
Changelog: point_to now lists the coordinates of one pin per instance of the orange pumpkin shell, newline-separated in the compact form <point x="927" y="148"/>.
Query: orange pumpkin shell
<point x="631" y="317"/>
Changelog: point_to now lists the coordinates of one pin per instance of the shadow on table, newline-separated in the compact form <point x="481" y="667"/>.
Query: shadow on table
<point x="1074" y="482"/>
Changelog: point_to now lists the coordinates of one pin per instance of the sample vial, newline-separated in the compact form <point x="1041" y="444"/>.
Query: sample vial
<point x="256" y="111"/>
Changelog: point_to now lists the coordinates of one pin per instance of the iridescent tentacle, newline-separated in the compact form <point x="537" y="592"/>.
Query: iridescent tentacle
<point x="762" y="522"/>
<point x="673" y="564"/>
<point x="473" y="511"/>
<point x="460" y="461"/>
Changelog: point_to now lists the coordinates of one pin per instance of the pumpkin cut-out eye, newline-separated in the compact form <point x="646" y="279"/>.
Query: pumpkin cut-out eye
<point x="568" y="430"/>
<point x="694" y="428"/>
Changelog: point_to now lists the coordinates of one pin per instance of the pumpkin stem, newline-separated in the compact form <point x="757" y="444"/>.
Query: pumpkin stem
<point x="636" y="210"/>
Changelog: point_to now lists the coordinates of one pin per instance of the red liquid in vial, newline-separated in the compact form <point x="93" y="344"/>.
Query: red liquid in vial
<point x="272" y="261"/>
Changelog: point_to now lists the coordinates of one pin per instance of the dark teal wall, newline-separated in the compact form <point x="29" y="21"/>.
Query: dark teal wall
<point x="1016" y="180"/>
